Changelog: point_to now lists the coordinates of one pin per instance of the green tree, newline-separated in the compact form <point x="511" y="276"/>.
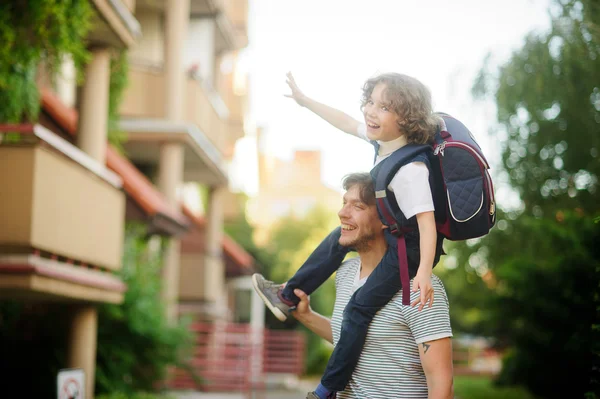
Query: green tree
<point x="243" y="233"/>
<point x="543" y="259"/>
<point x="548" y="99"/>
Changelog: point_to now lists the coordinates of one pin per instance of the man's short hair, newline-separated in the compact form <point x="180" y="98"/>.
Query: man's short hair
<point x="365" y="185"/>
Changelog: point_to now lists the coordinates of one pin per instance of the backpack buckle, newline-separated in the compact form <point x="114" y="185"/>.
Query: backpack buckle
<point x="395" y="230"/>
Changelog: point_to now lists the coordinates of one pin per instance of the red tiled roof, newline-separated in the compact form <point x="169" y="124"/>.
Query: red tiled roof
<point x="134" y="182"/>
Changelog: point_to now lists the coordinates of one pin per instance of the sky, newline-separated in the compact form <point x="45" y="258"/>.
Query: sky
<point x="333" y="46"/>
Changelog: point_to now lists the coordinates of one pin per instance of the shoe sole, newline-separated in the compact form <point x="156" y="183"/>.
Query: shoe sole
<point x="276" y="311"/>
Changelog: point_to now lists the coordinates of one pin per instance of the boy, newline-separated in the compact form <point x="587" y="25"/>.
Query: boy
<point x="397" y="111"/>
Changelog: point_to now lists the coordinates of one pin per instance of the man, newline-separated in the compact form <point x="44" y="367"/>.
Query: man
<point x="407" y="352"/>
<point x="397" y="112"/>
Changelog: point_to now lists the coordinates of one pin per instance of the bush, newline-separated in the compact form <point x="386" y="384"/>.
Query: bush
<point x="136" y="344"/>
<point x="137" y="395"/>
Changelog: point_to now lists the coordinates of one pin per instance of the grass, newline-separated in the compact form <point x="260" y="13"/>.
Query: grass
<point x="466" y="387"/>
<point x="138" y="395"/>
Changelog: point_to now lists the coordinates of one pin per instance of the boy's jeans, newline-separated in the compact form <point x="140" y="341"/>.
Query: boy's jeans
<point x="380" y="287"/>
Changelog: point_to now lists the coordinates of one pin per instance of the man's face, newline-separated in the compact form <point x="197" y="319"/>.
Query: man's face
<point x="359" y="221"/>
<point x="381" y="120"/>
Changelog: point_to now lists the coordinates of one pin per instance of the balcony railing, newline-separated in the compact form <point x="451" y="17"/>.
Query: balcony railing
<point x="145" y="93"/>
<point x="57" y="200"/>
<point x="206" y="109"/>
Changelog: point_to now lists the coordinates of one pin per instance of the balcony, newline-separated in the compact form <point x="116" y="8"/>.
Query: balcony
<point x="114" y="25"/>
<point x="206" y="109"/>
<point x="62" y="216"/>
<point x="144" y="99"/>
<point x="236" y="11"/>
<point x="230" y="16"/>
<point x="144" y="96"/>
<point x="200" y="280"/>
<point x="206" y="131"/>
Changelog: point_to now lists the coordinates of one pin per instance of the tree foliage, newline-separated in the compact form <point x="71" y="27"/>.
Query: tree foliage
<point x="548" y="99"/>
<point x="31" y="32"/>
<point x="119" y="72"/>
<point x="136" y="343"/>
<point x="541" y="264"/>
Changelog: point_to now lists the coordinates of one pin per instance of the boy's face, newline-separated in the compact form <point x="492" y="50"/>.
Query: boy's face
<point x="359" y="221"/>
<point x="381" y="120"/>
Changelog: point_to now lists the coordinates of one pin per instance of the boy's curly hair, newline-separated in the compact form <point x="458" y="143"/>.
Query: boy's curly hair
<point x="411" y="101"/>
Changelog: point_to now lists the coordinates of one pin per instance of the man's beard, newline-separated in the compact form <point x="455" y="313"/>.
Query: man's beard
<point x="361" y="243"/>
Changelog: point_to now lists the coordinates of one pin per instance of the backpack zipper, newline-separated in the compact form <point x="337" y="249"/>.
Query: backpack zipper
<point x="441" y="147"/>
<point x="492" y="209"/>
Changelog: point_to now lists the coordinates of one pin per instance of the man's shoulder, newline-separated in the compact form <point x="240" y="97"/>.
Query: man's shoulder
<point x="347" y="269"/>
<point x="440" y="298"/>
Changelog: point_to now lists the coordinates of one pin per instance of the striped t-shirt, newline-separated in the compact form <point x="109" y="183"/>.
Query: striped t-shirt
<point x="389" y="365"/>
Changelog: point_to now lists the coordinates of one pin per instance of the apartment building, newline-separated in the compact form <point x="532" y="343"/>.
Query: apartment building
<point x="66" y="201"/>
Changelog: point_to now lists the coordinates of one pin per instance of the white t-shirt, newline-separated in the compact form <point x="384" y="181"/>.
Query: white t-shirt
<point x="410" y="185"/>
<point x="389" y="366"/>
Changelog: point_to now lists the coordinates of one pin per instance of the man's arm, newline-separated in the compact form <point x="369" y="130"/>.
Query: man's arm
<point x="436" y="358"/>
<point x="315" y="322"/>
<point x="335" y="117"/>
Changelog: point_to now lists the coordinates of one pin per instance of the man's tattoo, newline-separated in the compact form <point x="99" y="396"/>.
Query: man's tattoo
<point x="426" y="346"/>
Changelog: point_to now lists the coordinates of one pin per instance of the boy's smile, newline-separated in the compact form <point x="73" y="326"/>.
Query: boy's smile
<point x="380" y="118"/>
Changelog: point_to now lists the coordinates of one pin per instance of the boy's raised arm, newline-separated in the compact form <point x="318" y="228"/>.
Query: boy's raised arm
<point x="335" y="117"/>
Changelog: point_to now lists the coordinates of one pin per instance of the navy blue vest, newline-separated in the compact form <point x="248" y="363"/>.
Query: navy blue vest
<point x="409" y="226"/>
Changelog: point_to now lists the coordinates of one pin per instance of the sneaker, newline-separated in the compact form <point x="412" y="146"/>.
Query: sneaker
<point x="270" y="292"/>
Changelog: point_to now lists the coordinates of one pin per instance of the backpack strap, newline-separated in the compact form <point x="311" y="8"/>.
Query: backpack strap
<point x="376" y="146"/>
<point x="386" y="173"/>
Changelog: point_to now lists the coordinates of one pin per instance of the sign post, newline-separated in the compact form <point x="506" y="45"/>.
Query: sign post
<point x="71" y="384"/>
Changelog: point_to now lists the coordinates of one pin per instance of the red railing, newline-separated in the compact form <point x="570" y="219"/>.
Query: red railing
<point x="231" y="357"/>
<point x="283" y="352"/>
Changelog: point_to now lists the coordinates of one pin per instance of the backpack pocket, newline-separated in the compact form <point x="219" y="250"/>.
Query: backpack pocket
<point x="466" y="185"/>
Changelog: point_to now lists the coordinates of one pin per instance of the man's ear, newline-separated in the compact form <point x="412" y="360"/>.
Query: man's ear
<point x="383" y="226"/>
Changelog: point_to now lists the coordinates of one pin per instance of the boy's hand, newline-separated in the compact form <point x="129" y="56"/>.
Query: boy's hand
<point x="422" y="281"/>
<point x="303" y="308"/>
<point x="297" y="94"/>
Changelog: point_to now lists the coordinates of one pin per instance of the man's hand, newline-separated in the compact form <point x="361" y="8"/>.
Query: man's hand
<point x="315" y="322"/>
<point x="297" y="94"/>
<point x="303" y="308"/>
<point x="422" y="281"/>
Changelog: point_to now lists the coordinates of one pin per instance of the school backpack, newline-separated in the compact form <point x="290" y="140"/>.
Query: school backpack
<point x="462" y="188"/>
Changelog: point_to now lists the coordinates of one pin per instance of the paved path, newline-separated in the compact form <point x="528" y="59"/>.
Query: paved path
<point x="275" y="394"/>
